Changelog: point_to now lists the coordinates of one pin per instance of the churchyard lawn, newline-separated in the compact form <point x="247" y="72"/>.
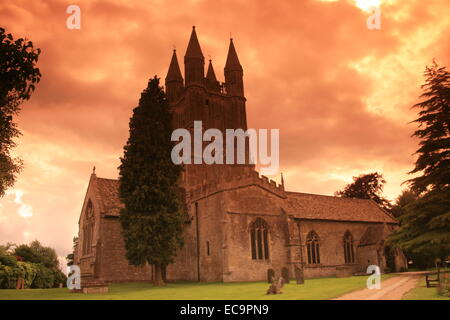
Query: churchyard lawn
<point x="421" y="292"/>
<point x="313" y="289"/>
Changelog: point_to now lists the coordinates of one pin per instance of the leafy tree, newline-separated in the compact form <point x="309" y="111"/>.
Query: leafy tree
<point x="71" y="256"/>
<point x="153" y="218"/>
<point x="366" y="186"/>
<point x="6" y="258"/>
<point x="426" y="223"/>
<point x="38" y="270"/>
<point x="405" y="198"/>
<point x="18" y="76"/>
<point x="36" y="253"/>
<point x="424" y="227"/>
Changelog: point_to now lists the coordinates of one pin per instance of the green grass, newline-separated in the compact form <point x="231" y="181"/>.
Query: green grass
<point x="421" y="292"/>
<point x="313" y="289"/>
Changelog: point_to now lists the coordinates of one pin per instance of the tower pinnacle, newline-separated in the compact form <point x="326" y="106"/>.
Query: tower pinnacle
<point x="232" y="63"/>
<point x="234" y="81"/>
<point x="174" y="73"/>
<point x="194" y="62"/>
<point x="210" y="74"/>
<point x="174" y="79"/>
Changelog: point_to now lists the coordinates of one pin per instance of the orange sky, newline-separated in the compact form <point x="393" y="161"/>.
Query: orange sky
<point x="339" y="93"/>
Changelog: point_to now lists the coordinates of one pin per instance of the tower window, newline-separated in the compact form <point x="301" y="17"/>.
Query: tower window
<point x="259" y="233"/>
<point x="208" y="252"/>
<point x="313" y="248"/>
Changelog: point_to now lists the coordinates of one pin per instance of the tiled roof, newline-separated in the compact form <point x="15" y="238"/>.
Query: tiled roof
<point x="300" y="205"/>
<point x="108" y="196"/>
<point x="313" y="206"/>
<point x="373" y="235"/>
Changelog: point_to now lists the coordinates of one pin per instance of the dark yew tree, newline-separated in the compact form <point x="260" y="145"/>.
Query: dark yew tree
<point x="425" y="226"/>
<point x="18" y="76"/>
<point x="366" y="186"/>
<point x="433" y="162"/>
<point x="153" y="216"/>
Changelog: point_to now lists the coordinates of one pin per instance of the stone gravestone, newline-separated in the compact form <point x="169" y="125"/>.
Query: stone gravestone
<point x="285" y="274"/>
<point x="299" y="277"/>
<point x="270" y="275"/>
<point x="275" y="288"/>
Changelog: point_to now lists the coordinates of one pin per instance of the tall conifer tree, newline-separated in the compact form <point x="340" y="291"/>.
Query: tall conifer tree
<point x="425" y="226"/>
<point x="152" y="219"/>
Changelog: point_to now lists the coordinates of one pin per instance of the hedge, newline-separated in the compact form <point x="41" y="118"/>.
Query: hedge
<point x="34" y="275"/>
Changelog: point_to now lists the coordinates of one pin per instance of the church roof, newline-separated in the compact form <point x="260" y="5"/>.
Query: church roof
<point x="299" y="205"/>
<point x="108" y="196"/>
<point x="373" y="235"/>
<point x="320" y="207"/>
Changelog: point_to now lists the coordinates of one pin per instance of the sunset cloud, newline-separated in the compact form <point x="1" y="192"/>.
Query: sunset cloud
<point x="340" y="94"/>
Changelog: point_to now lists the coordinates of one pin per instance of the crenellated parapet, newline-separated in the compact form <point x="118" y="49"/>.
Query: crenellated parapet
<point x="231" y="177"/>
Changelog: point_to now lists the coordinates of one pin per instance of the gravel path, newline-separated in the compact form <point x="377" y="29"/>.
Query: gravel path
<point x="391" y="289"/>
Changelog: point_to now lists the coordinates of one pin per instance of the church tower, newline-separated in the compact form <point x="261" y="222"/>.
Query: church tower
<point x="219" y="105"/>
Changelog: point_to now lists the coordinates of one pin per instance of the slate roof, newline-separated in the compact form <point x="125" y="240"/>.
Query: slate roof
<point x="319" y="207"/>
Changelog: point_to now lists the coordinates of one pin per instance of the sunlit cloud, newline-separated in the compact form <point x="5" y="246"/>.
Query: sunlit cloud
<point x="24" y="210"/>
<point x="366" y="5"/>
<point x="339" y="93"/>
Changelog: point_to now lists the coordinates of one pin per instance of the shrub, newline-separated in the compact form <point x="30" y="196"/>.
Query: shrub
<point x="10" y="274"/>
<point x="59" y="278"/>
<point x="7" y="259"/>
<point x="8" y="277"/>
<point x="45" y="278"/>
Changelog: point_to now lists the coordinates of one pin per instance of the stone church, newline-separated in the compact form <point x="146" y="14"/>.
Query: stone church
<point x="240" y="226"/>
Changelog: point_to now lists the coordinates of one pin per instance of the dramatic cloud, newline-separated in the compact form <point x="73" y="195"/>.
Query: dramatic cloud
<point x="339" y="93"/>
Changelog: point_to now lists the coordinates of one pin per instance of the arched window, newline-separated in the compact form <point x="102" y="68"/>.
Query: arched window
<point x="88" y="228"/>
<point x="312" y="246"/>
<point x="259" y="233"/>
<point x="349" y="253"/>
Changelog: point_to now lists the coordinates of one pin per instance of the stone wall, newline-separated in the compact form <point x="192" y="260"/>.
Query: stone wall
<point x="243" y="207"/>
<point x="184" y="267"/>
<point x="112" y="263"/>
<point x="331" y="236"/>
